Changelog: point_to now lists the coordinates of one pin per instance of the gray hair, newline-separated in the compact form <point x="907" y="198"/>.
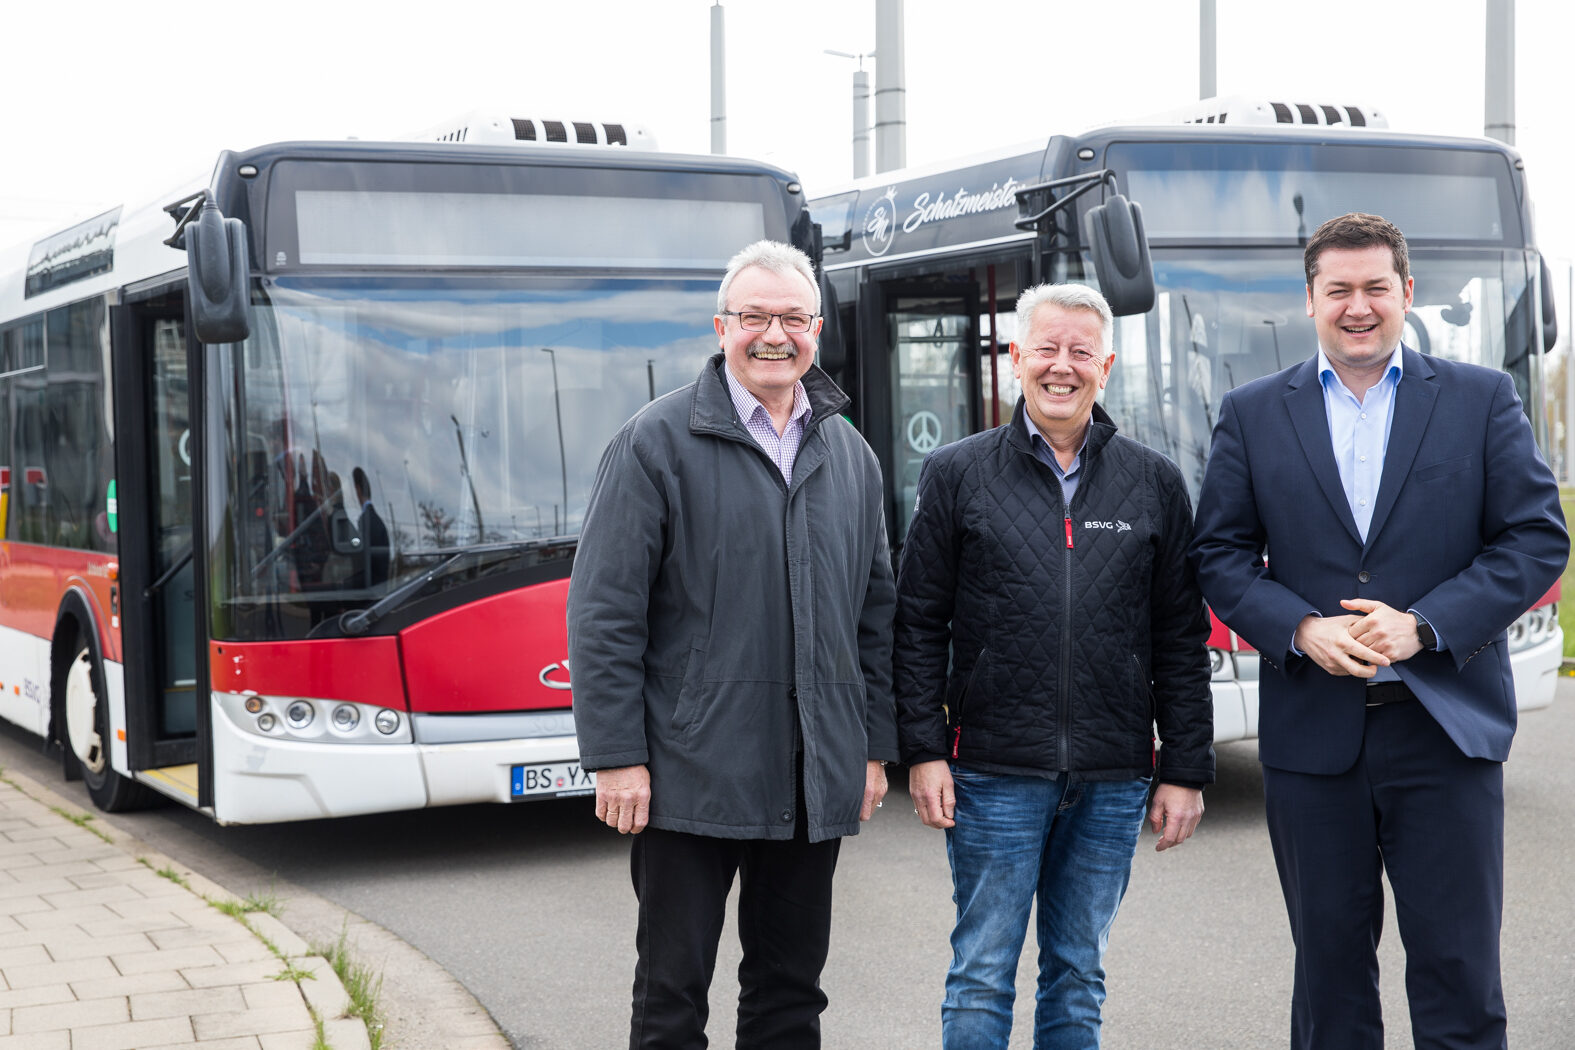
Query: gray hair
<point x="1067" y="297"/>
<point x="774" y="256"/>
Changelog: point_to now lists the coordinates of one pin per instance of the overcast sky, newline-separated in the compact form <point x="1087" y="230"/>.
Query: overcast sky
<point x="111" y="102"/>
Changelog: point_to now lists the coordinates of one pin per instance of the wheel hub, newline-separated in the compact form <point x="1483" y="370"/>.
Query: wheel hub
<point x="82" y="714"/>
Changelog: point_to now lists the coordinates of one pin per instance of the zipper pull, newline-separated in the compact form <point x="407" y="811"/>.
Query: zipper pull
<point x="956" y="740"/>
<point x="1068" y="533"/>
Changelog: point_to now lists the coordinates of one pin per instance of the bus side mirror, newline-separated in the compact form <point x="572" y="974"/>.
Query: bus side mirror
<point x="833" y="353"/>
<point x="218" y="277"/>
<point x="1550" y="313"/>
<point x="1114" y="232"/>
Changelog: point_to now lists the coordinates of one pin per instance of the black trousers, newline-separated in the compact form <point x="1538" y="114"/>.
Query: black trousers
<point x="1415" y="807"/>
<point x="784" y="925"/>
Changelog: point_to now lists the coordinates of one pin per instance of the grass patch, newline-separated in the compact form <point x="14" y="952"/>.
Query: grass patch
<point x="361" y="984"/>
<point x="291" y="972"/>
<point x="83" y="821"/>
<point x="169" y="873"/>
<point x="268" y="903"/>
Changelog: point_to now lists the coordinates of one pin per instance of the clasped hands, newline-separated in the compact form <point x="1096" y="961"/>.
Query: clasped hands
<point x="1371" y="636"/>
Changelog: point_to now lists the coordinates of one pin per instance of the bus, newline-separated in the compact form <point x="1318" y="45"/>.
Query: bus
<point x="927" y="263"/>
<point x="293" y="459"/>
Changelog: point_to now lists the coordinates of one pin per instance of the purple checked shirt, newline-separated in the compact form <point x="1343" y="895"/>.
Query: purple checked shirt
<point x="783" y="450"/>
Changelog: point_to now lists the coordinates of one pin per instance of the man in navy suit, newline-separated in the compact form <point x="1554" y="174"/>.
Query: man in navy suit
<point x="1407" y="519"/>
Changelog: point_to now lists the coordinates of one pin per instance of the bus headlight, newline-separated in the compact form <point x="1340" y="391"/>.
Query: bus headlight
<point x="307" y="719"/>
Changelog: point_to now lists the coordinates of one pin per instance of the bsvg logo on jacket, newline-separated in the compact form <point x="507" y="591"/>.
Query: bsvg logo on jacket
<point x="1118" y="525"/>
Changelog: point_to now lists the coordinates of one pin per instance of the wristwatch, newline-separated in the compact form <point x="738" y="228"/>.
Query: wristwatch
<point x="1424" y="632"/>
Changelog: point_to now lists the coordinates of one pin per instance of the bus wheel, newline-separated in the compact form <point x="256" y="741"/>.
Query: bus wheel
<point x="87" y="734"/>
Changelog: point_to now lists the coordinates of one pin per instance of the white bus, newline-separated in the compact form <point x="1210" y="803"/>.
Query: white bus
<point x="292" y="463"/>
<point x="927" y="264"/>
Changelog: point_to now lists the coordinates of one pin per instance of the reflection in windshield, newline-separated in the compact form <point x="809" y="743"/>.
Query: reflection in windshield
<point x="375" y="425"/>
<point x="1223" y="321"/>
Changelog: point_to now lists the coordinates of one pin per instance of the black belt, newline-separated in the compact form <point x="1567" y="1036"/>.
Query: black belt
<point x="1388" y="693"/>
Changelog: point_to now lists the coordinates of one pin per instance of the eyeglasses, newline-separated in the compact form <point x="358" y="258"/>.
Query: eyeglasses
<point x="754" y="321"/>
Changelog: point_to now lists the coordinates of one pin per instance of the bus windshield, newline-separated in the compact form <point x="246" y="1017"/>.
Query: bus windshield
<point x="1225" y="318"/>
<point x="380" y="424"/>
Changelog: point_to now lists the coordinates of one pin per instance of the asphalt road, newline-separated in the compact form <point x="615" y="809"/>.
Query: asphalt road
<point x="529" y="906"/>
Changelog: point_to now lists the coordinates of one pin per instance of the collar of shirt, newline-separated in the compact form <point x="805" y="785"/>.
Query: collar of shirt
<point x="747" y="405"/>
<point x="1046" y="453"/>
<point x="1392" y="374"/>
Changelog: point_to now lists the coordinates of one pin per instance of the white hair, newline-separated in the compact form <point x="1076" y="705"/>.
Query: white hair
<point x="1067" y="297"/>
<point x="774" y="256"/>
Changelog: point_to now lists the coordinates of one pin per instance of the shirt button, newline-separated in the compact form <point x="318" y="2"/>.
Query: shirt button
<point x="1364" y="577"/>
<point x="792" y="692"/>
<point x="787" y="815"/>
<point x="1362" y="502"/>
<point x="1362" y="458"/>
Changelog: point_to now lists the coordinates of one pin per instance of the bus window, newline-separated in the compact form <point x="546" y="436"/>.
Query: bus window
<point x="171" y="482"/>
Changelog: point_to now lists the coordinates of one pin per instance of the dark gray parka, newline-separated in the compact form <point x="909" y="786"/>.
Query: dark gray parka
<point x="719" y="618"/>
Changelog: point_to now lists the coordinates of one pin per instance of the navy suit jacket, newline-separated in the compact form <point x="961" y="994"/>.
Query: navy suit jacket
<point x="1467" y="530"/>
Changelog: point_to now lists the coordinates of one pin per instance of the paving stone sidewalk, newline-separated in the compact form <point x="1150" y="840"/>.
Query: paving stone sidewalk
<point x="108" y="945"/>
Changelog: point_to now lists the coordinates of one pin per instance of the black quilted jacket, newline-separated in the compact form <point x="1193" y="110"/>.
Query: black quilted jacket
<point x="1037" y="638"/>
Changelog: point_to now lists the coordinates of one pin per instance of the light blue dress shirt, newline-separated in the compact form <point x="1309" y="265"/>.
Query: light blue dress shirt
<point x="1359" y="431"/>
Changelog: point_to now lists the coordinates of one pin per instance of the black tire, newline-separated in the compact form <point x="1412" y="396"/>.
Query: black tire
<point x="87" y="738"/>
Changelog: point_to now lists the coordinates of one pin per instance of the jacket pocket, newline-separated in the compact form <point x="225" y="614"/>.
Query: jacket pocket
<point x="962" y="697"/>
<point x="1441" y="469"/>
<point x="1145" y="687"/>
<point x="687" y="711"/>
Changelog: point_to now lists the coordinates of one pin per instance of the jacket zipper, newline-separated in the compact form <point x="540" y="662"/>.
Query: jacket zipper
<point x="1064" y="705"/>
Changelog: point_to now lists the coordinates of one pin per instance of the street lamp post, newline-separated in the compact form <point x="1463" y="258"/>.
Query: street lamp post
<point x="861" y="114"/>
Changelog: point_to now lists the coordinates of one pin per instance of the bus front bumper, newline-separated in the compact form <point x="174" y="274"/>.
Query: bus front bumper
<point x="261" y="779"/>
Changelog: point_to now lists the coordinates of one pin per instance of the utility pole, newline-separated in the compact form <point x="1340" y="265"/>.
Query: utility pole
<point x="1499" y="91"/>
<point x="718" y="81"/>
<point x="861" y="114"/>
<point x="1207" y="51"/>
<point x="891" y="107"/>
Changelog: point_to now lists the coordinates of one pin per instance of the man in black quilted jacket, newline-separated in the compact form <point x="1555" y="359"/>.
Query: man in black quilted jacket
<point x="1047" y="623"/>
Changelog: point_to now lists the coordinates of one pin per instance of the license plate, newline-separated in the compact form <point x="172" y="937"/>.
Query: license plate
<point x="551" y="780"/>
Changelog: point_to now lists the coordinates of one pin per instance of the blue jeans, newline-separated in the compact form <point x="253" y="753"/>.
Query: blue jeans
<point x="1069" y="843"/>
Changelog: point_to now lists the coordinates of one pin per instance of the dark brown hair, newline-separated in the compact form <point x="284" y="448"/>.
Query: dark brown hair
<point x="1357" y="230"/>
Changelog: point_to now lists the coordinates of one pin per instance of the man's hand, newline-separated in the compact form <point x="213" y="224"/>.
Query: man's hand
<point x="623" y="798"/>
<point x="934" y="796"/>
<point x="1328" y="641"/>
<point x="1174" y="814"/>
<point x="1385" y="630"/>
<point x="874" y="789"/>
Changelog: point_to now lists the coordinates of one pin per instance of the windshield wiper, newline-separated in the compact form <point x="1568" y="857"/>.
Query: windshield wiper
<point x="359" y="622"/>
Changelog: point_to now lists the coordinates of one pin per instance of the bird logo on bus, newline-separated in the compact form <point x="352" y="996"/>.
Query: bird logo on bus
<point x="880" y="223"/>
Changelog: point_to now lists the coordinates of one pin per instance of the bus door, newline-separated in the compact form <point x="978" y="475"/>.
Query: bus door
<point x="154" y="463"/>
<point x="928" y="332"/>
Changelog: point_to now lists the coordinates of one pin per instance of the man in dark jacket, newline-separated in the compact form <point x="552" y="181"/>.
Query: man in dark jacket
<point x="1046" y="621"/>
<point x="730" y="632"/>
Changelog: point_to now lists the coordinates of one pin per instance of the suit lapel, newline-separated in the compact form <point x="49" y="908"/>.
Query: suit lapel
<point x="1304" y="402"/>
<point x="1414" y="399"/>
